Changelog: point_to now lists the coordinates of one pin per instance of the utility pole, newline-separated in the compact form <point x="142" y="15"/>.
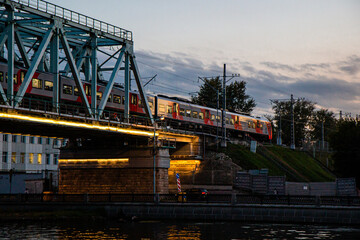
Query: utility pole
<point x="223" y="142"/>
<point x="292" y="145"/>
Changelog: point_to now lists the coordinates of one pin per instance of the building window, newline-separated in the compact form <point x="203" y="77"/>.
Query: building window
<point x="56" y="142"/>
<point x="32" y="140"/>
<point x="14" y="138"/>
<point x="39" y="158"/>
<point x="13" y="157"/>
<point x="5" y="137"/>
<point x="40" y="140"/>
<point x="67" y="89"/>
<point x="23" y="139"/>
<point x="22" y="157"/>
<point x="47" y="159"/>
<point x="56" y="156"/>
<point x="48" y="141"/>
<point x="5" y="157"/>
<point x="31" y="158"/>
<point x="48" y="85"/>
<point x="37" y="83"/>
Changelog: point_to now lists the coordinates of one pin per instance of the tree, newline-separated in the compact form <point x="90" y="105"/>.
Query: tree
<point x="345" y="142"/>
<point x="303" y="112"/>
<point x="236" y="98"/>
<point x="325" y="119"/>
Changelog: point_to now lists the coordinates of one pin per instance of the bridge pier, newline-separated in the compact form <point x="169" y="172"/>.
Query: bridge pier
<point x="127" y="172"/>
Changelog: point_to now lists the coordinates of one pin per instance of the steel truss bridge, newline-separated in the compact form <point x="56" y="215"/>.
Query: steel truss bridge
<point x="45" y="37"/>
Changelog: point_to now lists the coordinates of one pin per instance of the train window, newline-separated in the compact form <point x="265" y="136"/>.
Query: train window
<point x="188" y="113"/>
<point x="201" y="115"/>
<point x="227" y="121"/>
<point x="134" y="100"/>
<point x="161" y="108"/>
<point x="48" y="85"/>
<point x="212" y="117"/>
<point x="258" y="124"/>
<point x="98" y="95"/>
<point x="207" y="114"/>
<point x="195" y="115"/>
<point x="169" y="109"/>
<point x="218" y="118"/>
<point x="123" y="100"/>
<point x="87" y="90"/>
<point x="37" y="83"/>
<point x="117" y="99"/>
<point x="76" y="91"/>
<point x="182" y="112"/>
<point x="253" y="125"/>
<point x="22" y="76"/>
<point x="67" y="89"/>
<point x="151" y="105"/>
<point x="232" y="122"/>
<point x="109" y="98"/>
<point x="15" y="79"/>
<point x="1" y="76"/>
<point x="140" y="103"/>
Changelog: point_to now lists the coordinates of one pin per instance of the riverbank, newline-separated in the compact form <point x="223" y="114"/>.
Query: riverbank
<point x="181" y="211"/>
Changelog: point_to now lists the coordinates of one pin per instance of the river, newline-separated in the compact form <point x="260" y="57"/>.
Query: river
<point x="144" y="230"/>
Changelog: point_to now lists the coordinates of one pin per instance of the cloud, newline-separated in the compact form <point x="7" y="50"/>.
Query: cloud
<point x="323" y="83"/>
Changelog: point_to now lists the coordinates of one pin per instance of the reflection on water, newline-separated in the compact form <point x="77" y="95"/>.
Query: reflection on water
<point x="172" y="230"/>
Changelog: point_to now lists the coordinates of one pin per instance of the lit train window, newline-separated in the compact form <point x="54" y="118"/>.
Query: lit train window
<point x="227" y="121"/>
<point x="176" y="107"/>
<point x="169" y="109"/>
<point x="76" y="91"/>
<point x="195" y="114"/>
<point x="188" y="113"/>
<point x="151" y="105"/>
<point x="249" y="125"/>
<point x="87" y="90"/>
<point x="182" y="112"/>
<point x="134" y="100"/>
<point x="67" y="89"/>
<point x="109" y="98"/>
<point x="48" y="85"/>
<point x="254" y="126"/>
<point x="212" y="117"/>
<point x="22" y="76"/>
<point x="232" y="122"/>
<point x="140" y="103"/>
<point x="37" y="83"/>
<point x="218" y="118"/>
<point x="201" y="115"/>
<point x="161" y="108"/>
<point x="98" y="95"/>
<point x="123" y="100"/>
<point x="117" y="99"/>
<point x="15" y="79"/>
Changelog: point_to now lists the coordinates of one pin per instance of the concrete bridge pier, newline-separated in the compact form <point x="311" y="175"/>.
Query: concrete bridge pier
<point x="118" y="172"/>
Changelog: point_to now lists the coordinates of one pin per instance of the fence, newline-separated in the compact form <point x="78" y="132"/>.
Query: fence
<point x="183" y="199"/>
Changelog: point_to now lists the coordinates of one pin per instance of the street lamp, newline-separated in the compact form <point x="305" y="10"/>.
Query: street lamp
<point x="154" y="154"/>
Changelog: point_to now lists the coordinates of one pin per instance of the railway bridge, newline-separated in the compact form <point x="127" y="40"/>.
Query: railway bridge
<point x="48" y="53"/>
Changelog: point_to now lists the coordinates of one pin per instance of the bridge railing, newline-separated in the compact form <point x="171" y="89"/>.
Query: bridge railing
<point x="76" y="17"/>
<point x="350" y="201"/>
<point x="67" y="110"/>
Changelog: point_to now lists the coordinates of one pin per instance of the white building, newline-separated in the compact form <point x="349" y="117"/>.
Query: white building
<point x="29" y="153"/>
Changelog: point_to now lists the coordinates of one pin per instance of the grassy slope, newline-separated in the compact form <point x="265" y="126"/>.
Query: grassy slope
<point x="297" y="166"/>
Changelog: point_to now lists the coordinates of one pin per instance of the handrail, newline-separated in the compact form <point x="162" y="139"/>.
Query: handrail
<point x="76" y="17"/>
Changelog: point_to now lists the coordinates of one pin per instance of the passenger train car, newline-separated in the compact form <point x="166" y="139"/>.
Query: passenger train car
<point x="178" y="113"/>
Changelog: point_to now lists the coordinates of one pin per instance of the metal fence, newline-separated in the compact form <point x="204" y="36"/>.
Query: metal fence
<point x="183" y="199"/>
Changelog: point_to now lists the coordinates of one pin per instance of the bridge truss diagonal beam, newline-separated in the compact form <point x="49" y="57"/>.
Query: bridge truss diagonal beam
<point x="74" y="70"/>
<point x="35" y="63"/>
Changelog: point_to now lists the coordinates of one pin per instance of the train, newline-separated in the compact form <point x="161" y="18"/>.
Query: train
<point x="178" y="113"/>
